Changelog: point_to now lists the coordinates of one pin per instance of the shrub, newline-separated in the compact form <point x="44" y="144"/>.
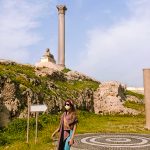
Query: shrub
<point x="4" y="140"/>
<point x="17" y="126"/>
<point x="48" y="119"/>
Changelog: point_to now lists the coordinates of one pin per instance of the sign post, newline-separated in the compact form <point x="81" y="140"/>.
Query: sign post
<point x="36" y="127"/>
<point x="36" y="109"/>
<point x="29" y="101"/>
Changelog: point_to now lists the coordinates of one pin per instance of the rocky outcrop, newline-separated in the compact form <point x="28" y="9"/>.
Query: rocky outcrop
<point x="51" y="73"/>
<point x="74" y="75"/>
<point x="134" y="99"/>
<point x="59" y="75"/>
<point x="109" y="99"/>
<point x="7" y="100"/>
<point x="14" y="95"/>
<point x="85" y="100"/>
<point x="8" y="95"/>
<point x="10" y="104"/>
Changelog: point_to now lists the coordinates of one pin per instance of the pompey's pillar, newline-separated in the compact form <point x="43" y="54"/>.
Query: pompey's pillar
<point x="61" y="34"/>
<point x="146" y="74"/>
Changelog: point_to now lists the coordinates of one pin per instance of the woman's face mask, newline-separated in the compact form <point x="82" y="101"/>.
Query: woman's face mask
<point x="67" y="107"/>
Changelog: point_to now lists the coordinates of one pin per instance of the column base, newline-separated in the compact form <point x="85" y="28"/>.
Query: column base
<point x="61" y="65"/>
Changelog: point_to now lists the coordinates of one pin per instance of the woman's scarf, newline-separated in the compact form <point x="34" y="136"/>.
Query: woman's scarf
<point x="71" y="120"/>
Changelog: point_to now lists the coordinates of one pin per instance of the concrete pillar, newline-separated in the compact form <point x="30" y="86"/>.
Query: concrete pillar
<point x="61" y="34"/>
<point x="146" y="74"/>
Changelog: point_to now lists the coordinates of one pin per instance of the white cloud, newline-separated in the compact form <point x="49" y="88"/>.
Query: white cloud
<point x="18" y="23"/>
<point x="121" y="51"/>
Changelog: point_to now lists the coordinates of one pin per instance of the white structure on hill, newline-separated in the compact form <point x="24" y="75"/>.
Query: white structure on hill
<point x="48" y="57"/>
<point x="47" y="60"/>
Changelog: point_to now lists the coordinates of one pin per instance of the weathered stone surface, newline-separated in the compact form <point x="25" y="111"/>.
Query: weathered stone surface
<point x="8" y="96"/>
<point x="74" y="75"/>
<point x="109" y="99"/>
<point x="51" y="73"/>
<point x="49" y="65"/>
<point x="44" y="71"/>
<point x="85" y="100"/>
<point x="134" y="99"/>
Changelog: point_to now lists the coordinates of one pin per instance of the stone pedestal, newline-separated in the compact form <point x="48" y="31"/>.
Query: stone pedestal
<point x="61" y="34"/>
<point x="48" y="57"/>
<point x="146" y="74"/>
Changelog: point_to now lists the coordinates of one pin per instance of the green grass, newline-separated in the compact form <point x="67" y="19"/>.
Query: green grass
<point x="65" y="70"/>
<point x="77" y="85"/>
<point x="137" y="106"/>
<point x="139" y="96"/>
<point x="15" y="69"/>
<point x="88" y="123"/>
<point x="16" y="133"/>
<point x="71" y="89"/>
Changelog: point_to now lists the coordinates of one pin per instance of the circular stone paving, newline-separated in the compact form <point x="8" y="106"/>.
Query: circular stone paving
<point x="112" y="142"/>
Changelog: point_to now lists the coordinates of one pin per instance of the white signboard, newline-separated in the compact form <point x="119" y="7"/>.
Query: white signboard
<point x="38" y="108"/>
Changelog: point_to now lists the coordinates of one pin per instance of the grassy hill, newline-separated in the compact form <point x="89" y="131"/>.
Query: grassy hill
<point x="25" y="76"/>
<point x="46" y="88"/>
<point x="51" y="89"/>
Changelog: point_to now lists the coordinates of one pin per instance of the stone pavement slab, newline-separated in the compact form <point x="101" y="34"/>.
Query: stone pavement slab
<point x="111" y="141"/>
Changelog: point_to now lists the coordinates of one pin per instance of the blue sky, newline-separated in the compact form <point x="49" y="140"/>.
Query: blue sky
<point x="105" y="39"/>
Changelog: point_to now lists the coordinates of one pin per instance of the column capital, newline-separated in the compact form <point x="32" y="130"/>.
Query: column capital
<point x="61" y="9"/>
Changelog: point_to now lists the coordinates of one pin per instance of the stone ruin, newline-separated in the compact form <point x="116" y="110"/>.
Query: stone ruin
<point x="48" y="61"/>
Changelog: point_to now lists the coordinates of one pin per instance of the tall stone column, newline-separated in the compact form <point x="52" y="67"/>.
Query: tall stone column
<point x="61" y="34"/>
<point x="146" y="74"/>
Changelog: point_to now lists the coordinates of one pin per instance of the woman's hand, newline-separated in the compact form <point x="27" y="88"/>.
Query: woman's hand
<point x="71" y="142"/>
<point x="53" y="135"/>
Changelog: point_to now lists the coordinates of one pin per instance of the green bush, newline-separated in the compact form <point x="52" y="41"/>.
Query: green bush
<point x="4" y="140"/>
<point x="17" y="126"/>
<point x="48" y="119"/>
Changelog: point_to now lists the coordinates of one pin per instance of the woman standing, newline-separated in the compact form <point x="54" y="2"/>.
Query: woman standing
<point x="67" y="127"/>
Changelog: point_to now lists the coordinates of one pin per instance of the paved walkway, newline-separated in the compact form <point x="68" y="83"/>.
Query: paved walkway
<point x="112" y="142"/>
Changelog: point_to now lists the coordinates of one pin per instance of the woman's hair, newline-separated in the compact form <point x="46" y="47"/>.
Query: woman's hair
<point x="73" y="112"/>
<point x="71" y="104"/>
